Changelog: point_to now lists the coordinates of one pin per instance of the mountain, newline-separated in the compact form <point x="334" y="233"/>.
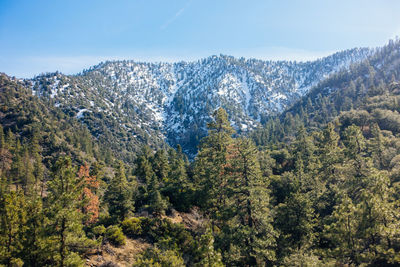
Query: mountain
<point x="35" y="123"/>
<point x="128" y="103"/>
<point x="363" y="94"/>
<point x="326" y="160"/>
<point x="349" y="89"/>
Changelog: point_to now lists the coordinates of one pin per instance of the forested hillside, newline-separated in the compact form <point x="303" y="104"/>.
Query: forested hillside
<point x="128" y="103"/>
<point x="344" y="91"/>
<point x="317" y="185"/>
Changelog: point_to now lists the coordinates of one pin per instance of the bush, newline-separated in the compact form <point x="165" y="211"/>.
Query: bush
<point x="159" y="257"/>
<point x="73" y="259"/>
<point x="165" y="232"/>
<point x="132" y="227"/>
<point x="99" y="230"/>
<point x="115" y="236"/>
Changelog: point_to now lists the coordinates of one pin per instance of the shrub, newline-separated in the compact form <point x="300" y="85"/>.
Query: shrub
<point x="132" y="227"/>
<point x="99" y="230"/>
<point x="164" y="231"/>
<point x="115" y="236"/>
<point x="158" y="257"/>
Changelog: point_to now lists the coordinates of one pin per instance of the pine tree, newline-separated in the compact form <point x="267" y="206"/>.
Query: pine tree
<point x="179" y="189"/>
<point x="27" y="173"/>
<point x="161" y="166"/>
<point x="363" y="226"/>
<point x="2" y="137"/>
<point x="329" y="152"/>
<point x="10" y="140"/>
<point x="5" y="167"/>
<point x="65" y="219"/>
<point x="12" y="228"/>
<point x="119" y="195"/>
<point x="38" y="168"/>
<point x="295" y="221"/>
<point x="38" y="245"/>
<point x="304" y="149"/>
<point x="330" y="156"/>
<point x="157" y="203"/>
<point x="249" y="218"/>
<point x="211" y="164"/>
<point x="144" y="170"/>
<point x="207" y="254"/>
<point x="377" y="147"/>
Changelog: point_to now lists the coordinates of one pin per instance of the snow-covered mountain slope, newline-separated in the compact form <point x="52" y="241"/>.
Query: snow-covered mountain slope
<point x="152" y="102"/>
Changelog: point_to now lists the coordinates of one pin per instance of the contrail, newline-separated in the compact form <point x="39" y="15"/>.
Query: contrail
<point x="177" y="14"/>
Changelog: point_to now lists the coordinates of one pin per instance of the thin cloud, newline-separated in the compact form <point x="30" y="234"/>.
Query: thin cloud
<point x="177" y="15"/>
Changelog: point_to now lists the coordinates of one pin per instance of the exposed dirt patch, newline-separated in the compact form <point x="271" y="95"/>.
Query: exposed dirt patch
<point x="118" y="256"/>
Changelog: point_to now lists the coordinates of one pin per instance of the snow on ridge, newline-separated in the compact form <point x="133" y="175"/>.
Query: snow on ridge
<point x="179" y="97"/>
<point x="54" y="88"/>
<point x="246" y="91"/>
<point x="80" y="115"/>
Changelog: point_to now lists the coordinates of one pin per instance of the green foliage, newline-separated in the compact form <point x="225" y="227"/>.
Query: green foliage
<point x="132" y="227"/>
<point x="115" y="235"/>
<point x="211" y="164"/>
<point x="119" y="195"/>
<point x="74" y="260"/>
<point x="295" y="220"/>
<point x="99" y="230"/>
<point x="12" y="227"/>
<point x="179" y="188"/>
<point x="157" y="204"/>
<point x="320" y="189"/>
<point x="168" y="233"/>
<point x="301" y="258"/>
<point x="207" y="254"/>
<point x="159" y="258"/>
<point x="62" y="205"/>
<point x="248" y="221"/>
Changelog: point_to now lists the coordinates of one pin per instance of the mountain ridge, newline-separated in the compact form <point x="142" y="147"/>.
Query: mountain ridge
<point x="154" y="102"/>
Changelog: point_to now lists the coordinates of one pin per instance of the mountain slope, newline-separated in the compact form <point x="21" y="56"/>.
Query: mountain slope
<point x="349" y="89"/>
<point x="33" y="122"/>
<point x="153" y="102"/>
<point x="359" y="95"/>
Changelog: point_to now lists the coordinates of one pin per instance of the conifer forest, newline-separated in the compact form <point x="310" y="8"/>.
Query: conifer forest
<point x="200" y="164"/>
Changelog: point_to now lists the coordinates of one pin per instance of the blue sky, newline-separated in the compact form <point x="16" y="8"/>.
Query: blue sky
<point x="42" y="35"/>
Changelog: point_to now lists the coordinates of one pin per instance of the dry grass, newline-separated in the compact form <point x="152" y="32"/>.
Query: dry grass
<point x="121" y="256"/>
<point x="125" y="255"/>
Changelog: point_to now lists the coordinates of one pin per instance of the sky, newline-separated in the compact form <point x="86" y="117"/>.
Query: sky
<point x="71" y="35"/>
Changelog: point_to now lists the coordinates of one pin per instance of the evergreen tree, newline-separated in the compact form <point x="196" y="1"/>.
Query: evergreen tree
<point x="329" y="152"/>
<point x="38" y="168"/>
<point x="161" y="166"/>
<point x="27" y="173"/>
<point x="157" y="203"/>
<point x="38" y="244"/>
<point x="248" y="216"/>
<point x="295" y="221"/>
<point x="212" y="163"/>
<point x="5" y="167"/>
<point x="12" y="228"/>
<point x="65" y="219"/>
<point x="119" y="195"/>
<point x="179" y="188"/>
<point x="207" y="254"/>
<point x="144" y="169"/>
<point x="330" y="156"/>
<point x="377" y="147"/>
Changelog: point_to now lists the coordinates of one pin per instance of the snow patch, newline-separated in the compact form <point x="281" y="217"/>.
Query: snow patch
<point x="79" y="115"/>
